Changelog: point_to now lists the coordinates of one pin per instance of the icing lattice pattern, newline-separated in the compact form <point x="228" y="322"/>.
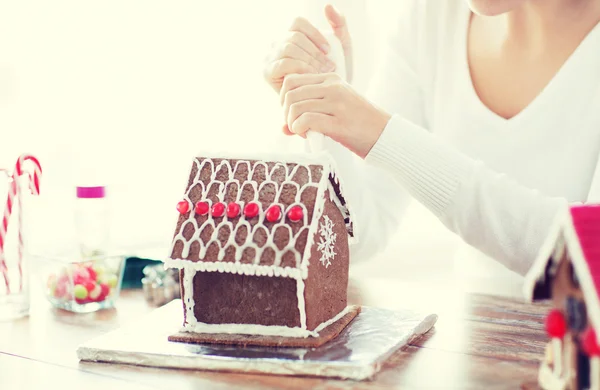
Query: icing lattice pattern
<point x="241" y="239"/>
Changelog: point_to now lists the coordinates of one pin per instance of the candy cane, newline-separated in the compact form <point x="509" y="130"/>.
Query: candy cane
<point x="3" y="266"/>
<point x="34" y="186"/>
<point x="20" y="238"/>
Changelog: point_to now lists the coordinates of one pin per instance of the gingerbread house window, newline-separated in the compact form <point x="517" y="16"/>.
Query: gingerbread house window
<point x="573" y="274"/>
<point x="576" y="314"/>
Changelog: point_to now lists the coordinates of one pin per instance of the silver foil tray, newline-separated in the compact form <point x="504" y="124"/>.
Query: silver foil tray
<point x="357" y="353"/>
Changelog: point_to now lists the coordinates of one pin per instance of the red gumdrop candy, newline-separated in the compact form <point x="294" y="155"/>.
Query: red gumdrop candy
<point x="93" y="274"/>
<point x="295" y="214"/>
<point x="61" y="290"/>
<point x="94" y="294"/>
<point x="105" y="290"/>
<point x="183" y="207"/>
<point x="218" y="210"/>
<point x="89" y="285"/>
<point x="233" y="210"/>
<point x="590" y="342"/>
<point x="273" y="213"/>
<point x="81" y="301"/>
<point x="63" y="280"/>
<point x="81" y="275"/>
<point x="251" y="210"/>
<point x="556" y="325"/>
<point x="202" y="208"/>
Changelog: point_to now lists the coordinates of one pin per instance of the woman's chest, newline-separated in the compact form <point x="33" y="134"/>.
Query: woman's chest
<point x="555" y="151"/>
<point x="508" y="72"/>
<point x="552" y="144"/>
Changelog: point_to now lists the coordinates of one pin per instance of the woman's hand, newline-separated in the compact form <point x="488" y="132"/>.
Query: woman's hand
<point x="305" y="49"/>
<point x="327" y="104"/>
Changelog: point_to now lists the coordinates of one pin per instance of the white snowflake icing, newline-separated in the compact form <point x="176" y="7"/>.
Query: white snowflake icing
<point x="326" y="243"/>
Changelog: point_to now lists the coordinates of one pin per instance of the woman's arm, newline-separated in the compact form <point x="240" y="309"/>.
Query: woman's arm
<point x="378" y="203"/>
<point x="488" y="210"/>
<point x="491" y="212"/>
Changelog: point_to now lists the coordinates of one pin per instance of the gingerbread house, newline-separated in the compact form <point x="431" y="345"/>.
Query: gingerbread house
<point x="262" y="247"/>
<point x="568" y="272"/>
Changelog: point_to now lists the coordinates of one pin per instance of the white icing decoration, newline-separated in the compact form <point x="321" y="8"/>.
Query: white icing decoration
<point x="188" y="295"/>
<point x="558" y="377"/>
<point x="595" y="373"/>
<point x="249" y="329"/>
<point x="548" y="380"/>
<point x="327" y="241"/>
<point x="263" y="330"/>
<point x="236" y="268"/>
<point x="301" y="302"/>
<point x="332" y="320"/>
<point x="558" y="356"/>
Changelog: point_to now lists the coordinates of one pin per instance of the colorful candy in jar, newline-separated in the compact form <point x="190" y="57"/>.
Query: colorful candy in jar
<point x="91" y="282"/>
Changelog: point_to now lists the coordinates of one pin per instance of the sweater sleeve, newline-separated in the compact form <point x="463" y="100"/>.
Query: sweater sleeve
<point x="491" y="212"/>
<point x="381" y="203"/>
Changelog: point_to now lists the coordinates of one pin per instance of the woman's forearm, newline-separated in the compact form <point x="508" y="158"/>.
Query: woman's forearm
<point x="488" y="210"/>
<point x="377" y="202"/>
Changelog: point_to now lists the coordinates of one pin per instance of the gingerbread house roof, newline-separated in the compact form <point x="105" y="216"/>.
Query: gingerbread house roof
<point x="253" y="216"/>
<point x="577" y="231"/>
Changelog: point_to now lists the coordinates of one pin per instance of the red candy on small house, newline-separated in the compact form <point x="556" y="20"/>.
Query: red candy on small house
<point x="251" y="210"/>
<point x="202" y="208"/>
<point x="218" y="210"/>
<point x="556" y="325"/>
<point x="590" y="343"/>
<point x="233" y="210"/>
<point x="183" y="207"/>
<point x="295" y="214"/>
<point x="273" y="213"/>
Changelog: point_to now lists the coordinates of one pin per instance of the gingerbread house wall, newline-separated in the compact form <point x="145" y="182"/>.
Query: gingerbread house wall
<point x="225" y="298"/>
<point x="326" y="288"/>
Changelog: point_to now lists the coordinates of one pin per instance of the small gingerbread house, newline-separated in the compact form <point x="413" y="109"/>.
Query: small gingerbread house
<point x="568" y="272"/>
<point x="262" y="246"/>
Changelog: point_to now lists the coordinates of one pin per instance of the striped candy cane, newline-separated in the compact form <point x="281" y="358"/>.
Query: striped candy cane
<point x="3" y="266"/>
<point x="14" y="191"/>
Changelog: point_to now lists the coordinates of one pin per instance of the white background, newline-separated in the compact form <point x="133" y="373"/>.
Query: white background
<point x="125" y="93"/>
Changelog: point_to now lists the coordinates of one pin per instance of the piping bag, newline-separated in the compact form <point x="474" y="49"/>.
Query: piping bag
<point x="316" y="140"/>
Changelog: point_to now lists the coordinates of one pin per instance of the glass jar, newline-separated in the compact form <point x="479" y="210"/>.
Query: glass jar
<point x="80" y="285"/>
<point x="92" y="221"/>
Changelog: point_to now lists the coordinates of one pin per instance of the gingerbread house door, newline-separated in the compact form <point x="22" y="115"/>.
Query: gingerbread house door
<point x="577" y="322"/>
<point x="583" y="369"/>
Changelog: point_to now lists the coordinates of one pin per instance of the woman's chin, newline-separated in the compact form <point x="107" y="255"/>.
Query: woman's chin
<point x="493" y="7"/>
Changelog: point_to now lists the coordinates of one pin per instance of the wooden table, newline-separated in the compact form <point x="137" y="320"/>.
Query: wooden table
<point x="479" y="342"/>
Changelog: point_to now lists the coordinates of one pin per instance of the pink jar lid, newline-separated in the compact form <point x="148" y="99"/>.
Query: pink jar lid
<point x="91" y="192"/>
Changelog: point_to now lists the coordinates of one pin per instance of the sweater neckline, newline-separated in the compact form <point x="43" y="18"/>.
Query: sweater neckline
<point x="565" y="74"/>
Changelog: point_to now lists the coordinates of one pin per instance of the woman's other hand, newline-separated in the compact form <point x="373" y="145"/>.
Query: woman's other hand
<point x="329" y="105"/>
<point x="338" y="23"/>
<point x="304" y="50"/>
